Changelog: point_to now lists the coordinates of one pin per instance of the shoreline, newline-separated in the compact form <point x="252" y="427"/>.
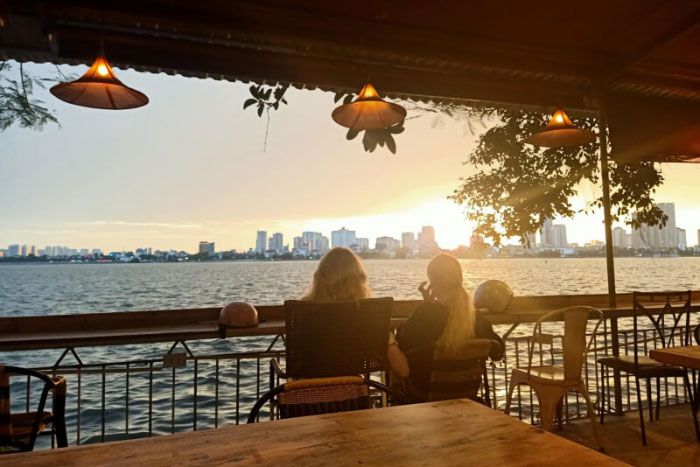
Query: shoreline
<point x="518" y="258"/>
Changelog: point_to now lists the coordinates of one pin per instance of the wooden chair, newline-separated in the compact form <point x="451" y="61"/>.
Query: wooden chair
<point x="18" y="431"/>
<point x="552" y="383"/>
<point x="457" y="375"/>
<point x="639" y="365"/>
<point x="332" y="348"/>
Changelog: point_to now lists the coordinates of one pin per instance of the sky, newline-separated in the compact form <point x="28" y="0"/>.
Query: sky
<point x="191" y="166"/>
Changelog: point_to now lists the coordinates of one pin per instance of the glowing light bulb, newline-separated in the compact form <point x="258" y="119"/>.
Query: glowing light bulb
<point x="102" y="70"/>
<point x="559" y="118"/>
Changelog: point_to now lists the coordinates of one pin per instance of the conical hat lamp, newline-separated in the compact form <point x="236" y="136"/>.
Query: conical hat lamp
<point x="369" y="112"/>
<point x="100" y="89"/>
<point x="561" y="132"/>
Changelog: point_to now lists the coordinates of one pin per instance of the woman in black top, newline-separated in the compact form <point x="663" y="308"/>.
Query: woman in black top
<point x="444" y="321"/>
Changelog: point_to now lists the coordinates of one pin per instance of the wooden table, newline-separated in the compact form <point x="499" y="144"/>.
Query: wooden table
<point x="686" y="356"/>
<point x="450" y="433"/>
<point x="689" y="358"/>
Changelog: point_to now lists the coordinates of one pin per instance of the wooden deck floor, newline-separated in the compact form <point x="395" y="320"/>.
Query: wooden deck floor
<point x="670" y="441"/>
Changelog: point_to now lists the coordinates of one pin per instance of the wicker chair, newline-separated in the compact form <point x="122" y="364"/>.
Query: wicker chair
<point x="454" y="377"/>
<point x="677" y="304"/>
<point x="18" y="431"/>
<point x="332" y="348"/>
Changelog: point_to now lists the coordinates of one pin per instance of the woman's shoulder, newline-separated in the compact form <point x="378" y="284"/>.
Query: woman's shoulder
<point x="424" y="325"/>
<point x="432" y="310"/>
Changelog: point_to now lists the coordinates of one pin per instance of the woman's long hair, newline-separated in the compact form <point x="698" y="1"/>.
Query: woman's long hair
<point x="339" y="276"/>
<point x="446" y="272"/>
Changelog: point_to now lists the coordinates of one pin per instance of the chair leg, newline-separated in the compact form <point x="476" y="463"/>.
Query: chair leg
<point x="658" y="397"/>
<point x="602" y="394"/>
<point x="591" y="414"/>
<point x="510" y="396"/>
<point x="548" y="397"/>
<point x="641" y="412"/>
<point x="560" y="413"/>
<point x="650" y="401"/>
<point x="693" y="405"/>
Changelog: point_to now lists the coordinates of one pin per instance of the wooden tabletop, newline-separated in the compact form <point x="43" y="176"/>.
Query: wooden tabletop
<point x="450" y="433"/>
<point x="686" y="356"/>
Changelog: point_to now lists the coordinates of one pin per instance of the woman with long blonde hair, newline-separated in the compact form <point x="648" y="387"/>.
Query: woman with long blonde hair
<point x="341" y="276"/>
<point x="443" y="323"/>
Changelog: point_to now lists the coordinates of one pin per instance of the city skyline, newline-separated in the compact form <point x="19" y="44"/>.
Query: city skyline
<point x="176" y="178"/>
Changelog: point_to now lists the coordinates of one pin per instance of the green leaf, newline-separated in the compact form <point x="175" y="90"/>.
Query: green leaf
<point x="347" y="99"/>
<point x="338" y="96"/>
<point x="261" y="107"/>
<point x="249" y="102"/>
<point x="351" y="134"/>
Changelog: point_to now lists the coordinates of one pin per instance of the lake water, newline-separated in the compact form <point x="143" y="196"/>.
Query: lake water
<point x="50" y="289"/>
<point x="38" y="289"/>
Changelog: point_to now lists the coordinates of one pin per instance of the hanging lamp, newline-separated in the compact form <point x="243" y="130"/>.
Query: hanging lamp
<point x="99" y="88"/>
<point x="560" y="132"/>
<point x="369" y="112"/>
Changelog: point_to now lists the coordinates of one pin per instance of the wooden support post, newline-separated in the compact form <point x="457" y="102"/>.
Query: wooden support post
<point x="610" y="262"/>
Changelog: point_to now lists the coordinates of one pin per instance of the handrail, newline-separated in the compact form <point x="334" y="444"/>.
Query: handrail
<point x="131" y="327"/>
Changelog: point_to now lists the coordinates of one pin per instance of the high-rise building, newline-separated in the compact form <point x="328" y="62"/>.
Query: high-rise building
<point x="24" y="250"/>
<point x="261" y="242"/>
<point x="205" y="248"/>
<point x="300" y="245"/>
<point x="559" y="236"/>
<point x="547" y="234"/>
<point x="316" y="241"/>
<point x="699" y="237"/>
<point x="276" y="242"/>
<point x="681" y="239"/>
<point x="343" y="237"/>
<point x="408" y="240"/>
<point x="426" y="239"/>
<point x="32" y="250"/>
<point x="362" y="244"/>
<point x="13" y="250"/>
<point x="532" y="239"/>
<point x="387" y="244"/>
<point x="658" y="238"/>
<point x="621" y="239"/>
<point x="553" y="235"/>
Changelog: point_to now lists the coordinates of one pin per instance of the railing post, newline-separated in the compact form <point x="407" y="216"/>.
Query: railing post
<point x="616" y="373"/>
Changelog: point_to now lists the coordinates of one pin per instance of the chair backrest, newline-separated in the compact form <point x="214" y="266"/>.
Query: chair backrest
<point x="7" y="438"/>
<point x="575" y="346"/>
<point x="459" y="377"/>
<point x="325" y="339"/>
<point x="656" y="306"/>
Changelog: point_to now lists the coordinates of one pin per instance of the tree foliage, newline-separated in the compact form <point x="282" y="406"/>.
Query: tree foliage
<point x="266" y="98"/>
<point x="517" y="186"/>
<point x="16" y="102"/>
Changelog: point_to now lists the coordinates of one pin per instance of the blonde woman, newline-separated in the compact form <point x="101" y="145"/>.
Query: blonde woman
<point x="443" y="322"/>
<point x="341" y="276"/>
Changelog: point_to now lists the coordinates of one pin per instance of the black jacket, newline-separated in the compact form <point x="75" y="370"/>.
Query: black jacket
<point x="417" y="337"/>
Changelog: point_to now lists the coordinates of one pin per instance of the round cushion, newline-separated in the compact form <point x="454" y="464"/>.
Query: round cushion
<point x="494" y="295"/>
<point x="238" y="315"/>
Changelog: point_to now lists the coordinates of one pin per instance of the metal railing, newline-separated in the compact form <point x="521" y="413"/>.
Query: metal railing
<point x="182" y="389"/>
